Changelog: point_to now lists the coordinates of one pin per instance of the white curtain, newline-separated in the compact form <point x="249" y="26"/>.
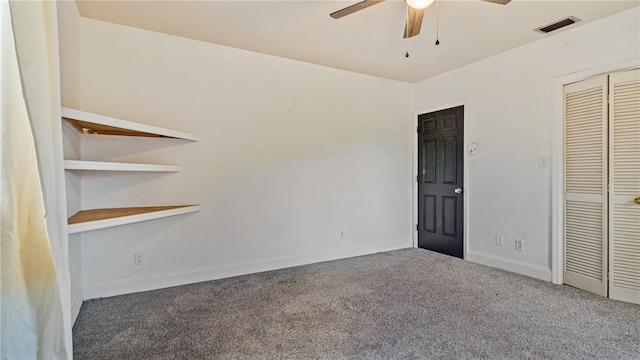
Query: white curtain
<point x="35" y="296"/>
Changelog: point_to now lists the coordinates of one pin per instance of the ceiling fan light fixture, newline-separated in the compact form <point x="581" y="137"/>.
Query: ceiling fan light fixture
<point x="419" y="4"/>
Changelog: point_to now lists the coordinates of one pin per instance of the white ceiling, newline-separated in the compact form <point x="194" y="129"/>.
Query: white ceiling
<point x="369" y="41"/>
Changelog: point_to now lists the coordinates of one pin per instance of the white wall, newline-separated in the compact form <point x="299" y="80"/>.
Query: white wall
<point x="72" y="141"/>
<point x="509" y="108"/>
<point x="291" y="154"/>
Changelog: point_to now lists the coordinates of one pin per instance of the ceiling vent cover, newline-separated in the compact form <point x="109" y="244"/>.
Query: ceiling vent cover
<point x="557" y="25"/>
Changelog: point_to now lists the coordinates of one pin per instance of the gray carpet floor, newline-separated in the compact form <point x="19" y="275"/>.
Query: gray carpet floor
<point x="406" y="304"/>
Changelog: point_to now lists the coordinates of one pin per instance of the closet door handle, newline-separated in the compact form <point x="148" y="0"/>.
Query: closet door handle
<point x="637" y="200"/>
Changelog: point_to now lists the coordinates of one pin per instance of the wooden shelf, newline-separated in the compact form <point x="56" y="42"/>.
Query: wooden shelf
<point x="117" y="166"/>
<point x="87" y="220"/>
<point x="88" y="123"/>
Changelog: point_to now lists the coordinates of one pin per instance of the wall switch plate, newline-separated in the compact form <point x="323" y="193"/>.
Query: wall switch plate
<point x="499" y="240"/>
<point x="138" y="259"/>
<point x="473" y="149"/>
<point x="519" y="245"/>
<point x="543" y="162"/>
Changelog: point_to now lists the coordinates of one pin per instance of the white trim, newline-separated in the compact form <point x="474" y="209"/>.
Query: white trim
<point x="518" y="267"/>
<point x="123" y="220"/>
<point x="465" y="182"/>
<point x="63" y="273"/>
<point x="124" y="124"/>
<point x="76" y="305"/>
<point x="146" y="283"/>
<point x="557" y="160"/>
<point x="117" y="166"/>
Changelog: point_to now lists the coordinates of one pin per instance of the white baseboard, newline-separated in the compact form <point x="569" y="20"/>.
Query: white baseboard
<point x="131" y="285"/>
<point x="75" y="307"/>
<point x="518" y="267"/>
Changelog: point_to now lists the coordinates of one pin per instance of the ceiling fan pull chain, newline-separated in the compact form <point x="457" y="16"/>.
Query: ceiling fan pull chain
<point x="437" y="22"/>
<point x="406" y="40"/>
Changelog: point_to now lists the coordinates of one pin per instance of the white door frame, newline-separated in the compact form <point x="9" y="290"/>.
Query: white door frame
<point x="465" y="180"/>
<point x="557" y="160"/>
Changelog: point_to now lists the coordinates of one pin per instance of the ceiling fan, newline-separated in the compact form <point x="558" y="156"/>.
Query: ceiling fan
<point x="415" y="12"/>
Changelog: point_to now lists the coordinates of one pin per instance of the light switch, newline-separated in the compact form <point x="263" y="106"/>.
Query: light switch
<point x="473" y="149"/>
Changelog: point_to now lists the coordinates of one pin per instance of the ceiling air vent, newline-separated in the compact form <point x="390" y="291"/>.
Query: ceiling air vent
<point x="557" y="25"/>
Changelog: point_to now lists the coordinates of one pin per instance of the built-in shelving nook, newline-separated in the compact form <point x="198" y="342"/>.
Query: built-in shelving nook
<point x="94" y="219"/>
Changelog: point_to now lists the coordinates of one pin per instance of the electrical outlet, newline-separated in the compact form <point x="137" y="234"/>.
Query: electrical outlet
<point x="499" y="240"/>
<point x="519" y="245"/>
<point x="138" y="259"/>
<point x="341" y="234"/>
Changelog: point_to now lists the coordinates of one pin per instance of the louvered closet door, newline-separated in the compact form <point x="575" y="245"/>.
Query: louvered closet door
<point x="585" y="206"/>
<point x="624" y="213"/>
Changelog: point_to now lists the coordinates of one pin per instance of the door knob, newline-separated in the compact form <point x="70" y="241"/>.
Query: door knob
<point x="459" y="191"/>
<point x="637" y="200"/>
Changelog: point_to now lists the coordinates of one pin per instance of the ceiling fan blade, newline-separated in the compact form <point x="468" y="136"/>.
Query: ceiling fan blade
<point x="353" y="8"/>
<point x="414" y="22"/>
<point x="501" y="2"/>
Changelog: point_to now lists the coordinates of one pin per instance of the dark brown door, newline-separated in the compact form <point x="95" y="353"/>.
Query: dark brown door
<point x="440" y="180"/>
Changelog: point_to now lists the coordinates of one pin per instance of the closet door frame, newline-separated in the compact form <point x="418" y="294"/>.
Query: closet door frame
<point x="557" y="160"/>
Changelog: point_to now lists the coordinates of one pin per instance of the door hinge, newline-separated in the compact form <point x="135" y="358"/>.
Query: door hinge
<point x="417" y="228"/>
<point x="417" y="178"/>
<point x="418" y="129"/>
